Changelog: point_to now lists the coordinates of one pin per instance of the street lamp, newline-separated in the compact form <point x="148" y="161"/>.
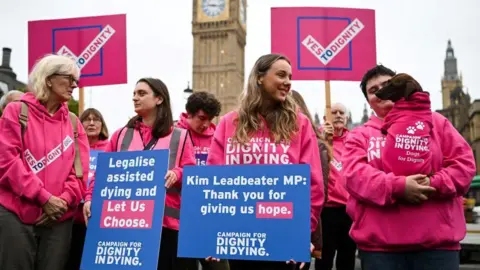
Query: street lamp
<point x="187" y="92"/>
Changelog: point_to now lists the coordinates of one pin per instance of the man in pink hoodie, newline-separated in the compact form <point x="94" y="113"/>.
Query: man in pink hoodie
<point x="201" y="108"/>
<point x="409" y="222"/>
<point x="335" y="221"/>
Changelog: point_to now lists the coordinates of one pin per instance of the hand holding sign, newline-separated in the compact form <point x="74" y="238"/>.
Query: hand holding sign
<point x="170" y="179"/>
<point x="126" y="216"/>
<point x="86" y="211"/>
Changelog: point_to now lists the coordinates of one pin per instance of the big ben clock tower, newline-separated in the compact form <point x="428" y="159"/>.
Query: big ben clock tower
<point x="219" y="38"/>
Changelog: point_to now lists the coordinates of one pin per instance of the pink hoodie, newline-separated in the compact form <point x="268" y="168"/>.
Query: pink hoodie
<point x="303" y="149"/>
<point x="337" y="194"/>
<point x="99" y="145"/>
<point x="382" y="221"/>
<point x="26" y="183"/>
<point x="408" y="141"/>
<point x="172" y="199"/>
<point x="201" y="142"/>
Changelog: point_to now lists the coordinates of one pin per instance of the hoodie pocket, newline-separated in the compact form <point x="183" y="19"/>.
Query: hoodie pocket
<point x="445" y="209"/>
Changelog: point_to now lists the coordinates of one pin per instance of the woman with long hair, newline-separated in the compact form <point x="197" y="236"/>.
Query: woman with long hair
<point x="152" y="129"/>
<point x="41" y="171"/>
<point x="268" y="114"/>
<point x="97" y="133"/>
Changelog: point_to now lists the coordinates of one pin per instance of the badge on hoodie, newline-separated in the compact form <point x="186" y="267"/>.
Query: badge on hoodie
<point x="336" y="164"/>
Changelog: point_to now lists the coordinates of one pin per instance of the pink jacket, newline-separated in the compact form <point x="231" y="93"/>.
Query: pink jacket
<point x="99" y="145"/>
<point x="337" y="194"/>
<point x="42" y="166"/>
<point x="408" y="141"/>
<point x="382" y="221"/>
<point x="201" y="142"/>
<point x="185" y="151"/>
<point x="303" y="149"/>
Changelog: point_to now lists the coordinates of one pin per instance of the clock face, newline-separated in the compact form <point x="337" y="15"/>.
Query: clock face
<point x="243" y="12"/>
<point x="213" y="8"/>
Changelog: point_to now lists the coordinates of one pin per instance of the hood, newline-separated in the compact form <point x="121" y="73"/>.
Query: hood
<point x="99" y="145"/>
<point x="40" y="110"/>
<point x="374" y="122"/>
<point x="182" y="123"/>
<point x="344" y="134"/>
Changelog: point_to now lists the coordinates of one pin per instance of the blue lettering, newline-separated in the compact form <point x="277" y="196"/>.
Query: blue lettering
<point x="81" y="61"/>
<point x="329" y="53"/>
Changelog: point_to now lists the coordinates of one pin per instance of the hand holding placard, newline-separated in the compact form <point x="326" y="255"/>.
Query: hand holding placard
<point x="126" y="210"/>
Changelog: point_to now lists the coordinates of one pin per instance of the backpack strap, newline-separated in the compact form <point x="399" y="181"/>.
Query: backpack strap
<point x="127" y="139"/>
<point x="23" y="117"/>
<point x="77" y="162"/>
<point x="174" y="141"/>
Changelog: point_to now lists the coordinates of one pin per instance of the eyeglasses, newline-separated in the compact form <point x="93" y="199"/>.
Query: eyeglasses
<point x="95" y="120"/>
<point x="70" y="77"/>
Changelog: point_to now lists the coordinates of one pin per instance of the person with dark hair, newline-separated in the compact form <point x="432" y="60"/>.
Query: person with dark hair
<point x="152" y="129"/>
<point x="201" y="108"/>
<point x="409" y="222"/>
<point x="97" y="133"/>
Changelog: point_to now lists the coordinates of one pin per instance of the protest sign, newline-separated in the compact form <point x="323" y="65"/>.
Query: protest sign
<point x="93" y="165"/>
<point x="127" y="211"/>
<point x="325" y="43"/>
<point x="249" y="212"/>
<point x="98" y="44"/>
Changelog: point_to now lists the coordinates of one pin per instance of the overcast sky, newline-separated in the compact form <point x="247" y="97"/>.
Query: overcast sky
<point x="412" y="37"/>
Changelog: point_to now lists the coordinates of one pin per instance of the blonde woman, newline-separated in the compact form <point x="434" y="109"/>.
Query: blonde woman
<point x="40" y="185"/>
<point x="268" y="113"/>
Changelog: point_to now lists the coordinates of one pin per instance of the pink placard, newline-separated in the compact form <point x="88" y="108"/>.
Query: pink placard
<point x="98" y="44"/>
<point x="336" y="44"/>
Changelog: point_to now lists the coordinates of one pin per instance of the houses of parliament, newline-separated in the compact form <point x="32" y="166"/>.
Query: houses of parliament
<point x="457" y="105"/>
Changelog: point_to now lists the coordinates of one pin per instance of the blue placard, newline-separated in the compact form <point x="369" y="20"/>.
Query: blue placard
<point x="93" y="165"/>
<point x="249" y="212"/>
<point x="127" y="211"/>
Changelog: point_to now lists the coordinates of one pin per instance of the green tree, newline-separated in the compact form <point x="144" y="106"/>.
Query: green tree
<point x="73" y="106"/>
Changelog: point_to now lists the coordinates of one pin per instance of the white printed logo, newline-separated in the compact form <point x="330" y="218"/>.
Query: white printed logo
<point x="411" y="130"/>
<point x="420" y="125"/>
<point x="336" y="164"/>
<point x="91" y="50"/>
<point x="336" y="46"/>
<point x="375" y="145"/>
<point x="39" y="165"/>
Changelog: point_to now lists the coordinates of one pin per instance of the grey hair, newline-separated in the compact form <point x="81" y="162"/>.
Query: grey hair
<point x="347" y="111"/>
<point x="4" y="99"/>
<point x="46" y="67"/>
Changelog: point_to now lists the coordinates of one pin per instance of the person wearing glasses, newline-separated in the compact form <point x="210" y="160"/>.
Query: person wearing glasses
<point x="97" y="132"/>
<point x="40" y="184"/>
